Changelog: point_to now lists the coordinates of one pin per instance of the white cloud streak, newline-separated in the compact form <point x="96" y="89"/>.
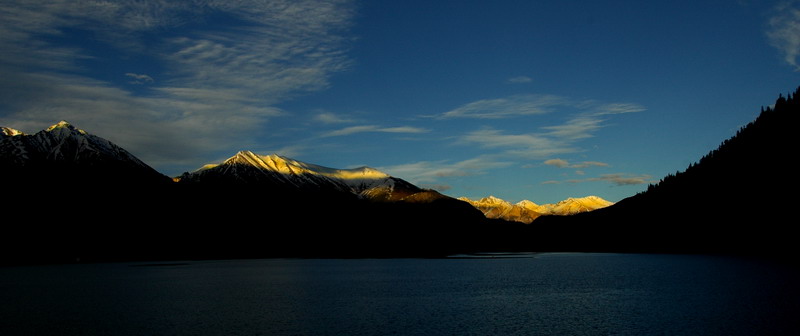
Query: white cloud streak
<point x="332" y="118"/>
<point x="561" y="163"/>
<point x="587" y="117"/>
<point x="513" y="106"/>
<point x="139" y="78"/>
<point x="520" y="80"/>
<point x="526" y="146"/>
<point x="557" y="163"/>
<point x="783" y="31"/>
<point x="618" y="179"/>
<point x="536" y="104"/>
<point x="374" y="129"/>
<point x="432" y="171"/>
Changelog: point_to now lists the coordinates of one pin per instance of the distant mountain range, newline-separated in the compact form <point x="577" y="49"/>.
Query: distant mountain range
<point x="65" y="153"/>
<point x="526" y="211"/>
<point x="70" y="195"/>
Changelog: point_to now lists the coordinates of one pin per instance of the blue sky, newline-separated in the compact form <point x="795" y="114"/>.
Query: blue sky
<point x="538" y="100"/>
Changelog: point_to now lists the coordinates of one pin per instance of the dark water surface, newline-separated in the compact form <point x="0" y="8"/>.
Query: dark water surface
<point x="546" y="294"/>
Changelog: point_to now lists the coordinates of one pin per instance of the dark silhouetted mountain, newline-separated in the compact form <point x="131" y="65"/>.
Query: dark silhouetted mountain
<point x="737" y="199"/>
<point x="63" y="153"/>
<point x="69" y="195"/>
<point x="322" y="211"/>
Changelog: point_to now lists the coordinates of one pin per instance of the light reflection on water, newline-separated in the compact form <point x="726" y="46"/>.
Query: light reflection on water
<point x="531" y="294"/>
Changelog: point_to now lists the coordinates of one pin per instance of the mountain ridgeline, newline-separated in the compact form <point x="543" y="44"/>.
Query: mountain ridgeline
<point x="526" y="211"/>
<point x="290" y="176"/>
<point x="736" y="199"/>
<point x="63" y="154"/>
<point x="70" y="195"/>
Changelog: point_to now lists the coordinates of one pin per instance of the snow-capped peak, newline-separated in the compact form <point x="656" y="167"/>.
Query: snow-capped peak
<point x="9" y="132"/>
<point x="363" y="181"/>
<point x="526" y="211"/>
<point x="281" y="164"/>
<point x="588" y="202"/>
<point x="492" y="200"/>
<point x="63" y="127"/>
<point x="70" y="147"/>
<point x="528" y="204"/>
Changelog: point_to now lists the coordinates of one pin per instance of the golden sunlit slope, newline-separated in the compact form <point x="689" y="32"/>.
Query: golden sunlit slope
<point x="527" y="211"/>
<point x="284" y="165"/>
<point x="289" y="175"/>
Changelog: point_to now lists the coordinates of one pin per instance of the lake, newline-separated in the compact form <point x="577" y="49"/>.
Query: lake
<point x="536" y="294"/>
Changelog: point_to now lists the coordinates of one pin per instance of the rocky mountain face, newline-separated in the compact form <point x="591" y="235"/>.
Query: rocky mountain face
<point x="527" y="211"/>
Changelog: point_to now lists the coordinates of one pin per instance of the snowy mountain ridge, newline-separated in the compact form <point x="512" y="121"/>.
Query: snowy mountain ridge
<point x="63" y="145"/>
<point x="248" y="167"/>
<point x="9" y="132"/>
<point x="62" y="141"/>
<point x="65" y="149"/>
<point x="526" y="211"/>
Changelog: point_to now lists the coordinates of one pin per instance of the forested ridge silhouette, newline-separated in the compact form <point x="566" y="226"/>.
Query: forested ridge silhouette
<point x="739" y="198"/>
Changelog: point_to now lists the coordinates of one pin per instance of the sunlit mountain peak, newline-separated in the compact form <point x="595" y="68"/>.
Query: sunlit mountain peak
<point x="9" y="132"/>
<point x="528" y="204"/>
<point x="492" y="200"/>
<point x="526" y="211"/>
<point x="64" y="151"/>
<point x="575" y="205"/>
<point x="246" y="167"/>
<point x="281" y="164"/>
<point x="63" y="125"/>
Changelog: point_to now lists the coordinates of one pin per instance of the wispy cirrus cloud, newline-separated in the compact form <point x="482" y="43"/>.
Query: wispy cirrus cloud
<point x="620" y="179"/>
<point x="520" y="80"/>
<point x="617" y="179"/>
<point x="536" y="104"/>
<point x="139" y="78"/>
<point x="783" y="31"/>
<point x="332" y="118"/>
<point x="216" y="83"/>
<point x="583" y="119"/>
<point x="561" y="163"/>
<point x="432" y="171"/>
<point x="577" y="128"/>
<point x="616" y="108"/>
<point x="374" y="129"/>
<point x="527" y="146"/>
<point x="513" y="106"/>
